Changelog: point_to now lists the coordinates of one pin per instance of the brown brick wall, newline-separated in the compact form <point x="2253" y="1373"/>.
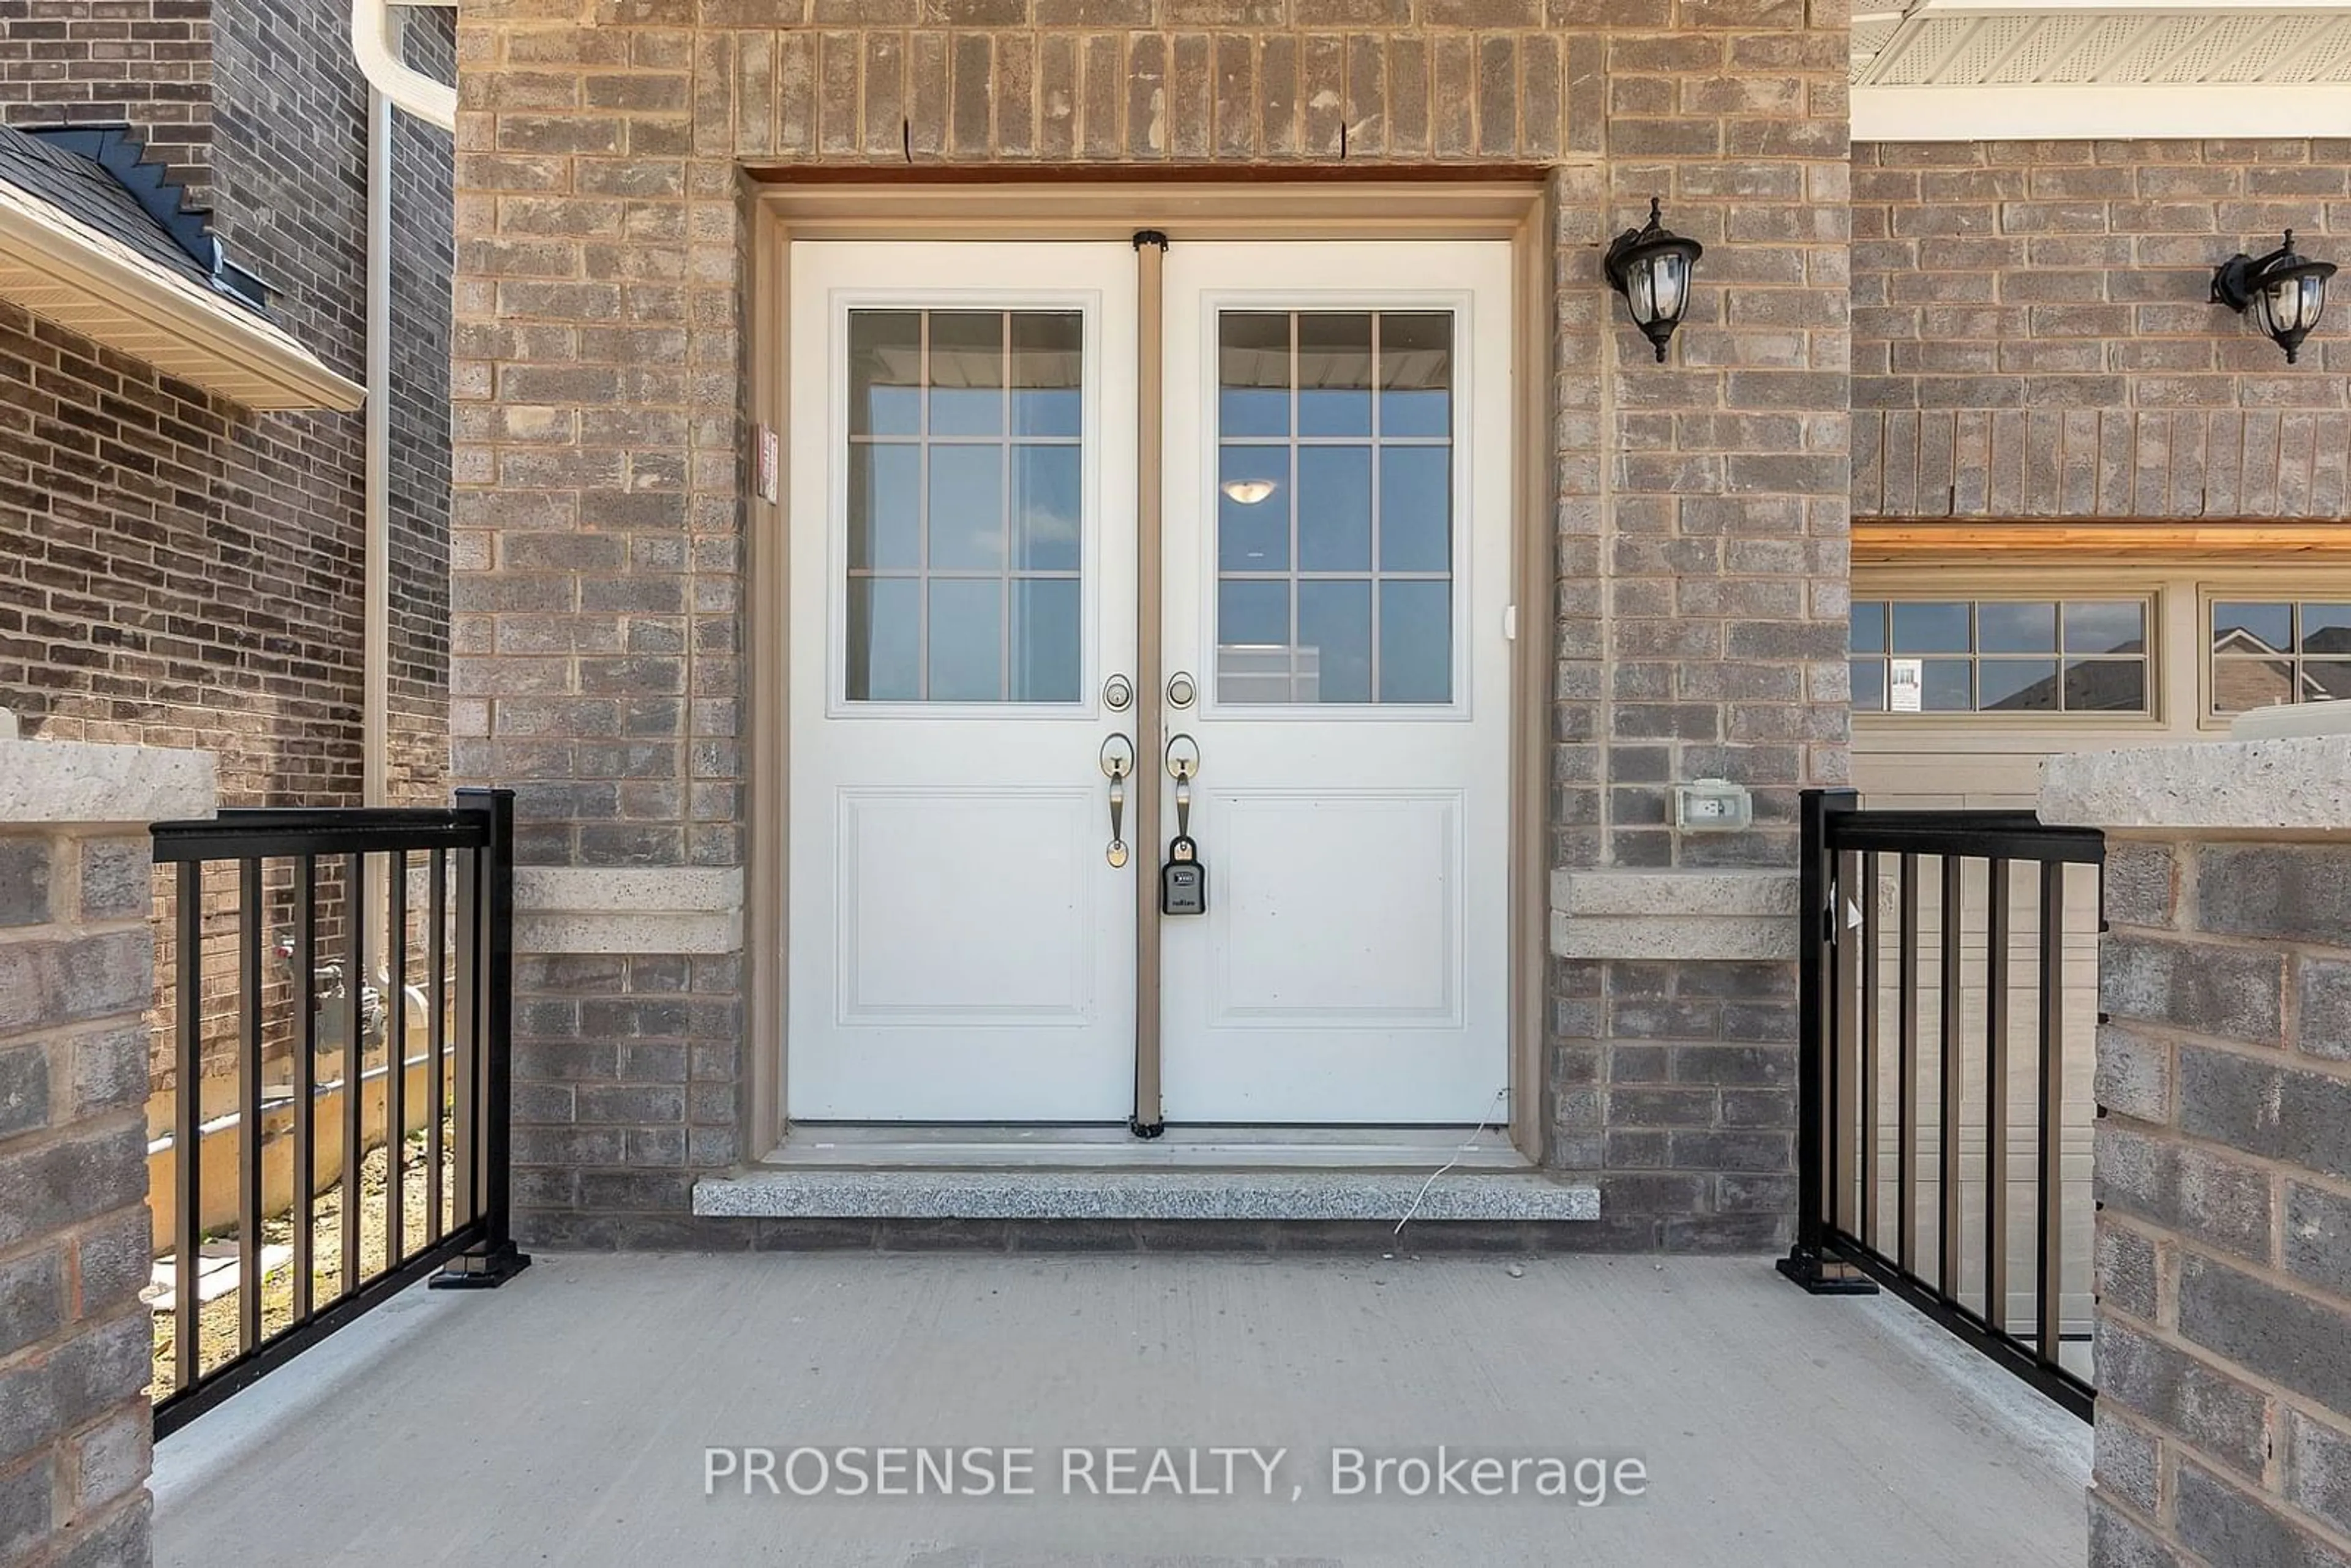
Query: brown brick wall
<point x="2224" y="1205"/>
<point x="2032" y="336"/>
<point x="1700" y="515"/>
<point x="178" y="571"/>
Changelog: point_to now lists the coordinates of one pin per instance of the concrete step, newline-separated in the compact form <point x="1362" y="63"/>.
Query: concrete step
<point x="1035" y="1193"/>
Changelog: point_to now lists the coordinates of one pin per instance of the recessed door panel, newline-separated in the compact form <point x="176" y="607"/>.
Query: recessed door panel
<point x="1313" y="933"/>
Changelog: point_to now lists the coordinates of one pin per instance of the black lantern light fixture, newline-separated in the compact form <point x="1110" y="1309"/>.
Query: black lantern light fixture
<point x="1651" y="267"/>
<point x="2289" y="289"/>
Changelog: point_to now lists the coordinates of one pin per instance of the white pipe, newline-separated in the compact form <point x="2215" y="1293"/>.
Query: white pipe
<point x="375" y="43"/>
<point x="375" y="654"/>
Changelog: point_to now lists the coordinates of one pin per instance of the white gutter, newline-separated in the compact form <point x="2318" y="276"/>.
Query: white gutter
<point x="60" y="267"/>
<point x="375" y="43"/>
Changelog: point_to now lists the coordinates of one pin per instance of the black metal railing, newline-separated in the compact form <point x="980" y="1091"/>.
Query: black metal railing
<point x="2002" y="1076"/>
<point x="343" y="975"/>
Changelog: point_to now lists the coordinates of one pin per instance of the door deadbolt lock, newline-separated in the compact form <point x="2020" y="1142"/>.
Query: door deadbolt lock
<point x="1118" y="694"/>
<point x="1182" y="690"/>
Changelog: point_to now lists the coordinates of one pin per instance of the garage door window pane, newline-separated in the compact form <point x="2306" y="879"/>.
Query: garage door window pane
<point x="2279" y="652"/>
<point x="2106" y="627"/>
<point x="2000" y="655"/>
<point x="2020" y="628"/>
<point x="2019" y="686"/>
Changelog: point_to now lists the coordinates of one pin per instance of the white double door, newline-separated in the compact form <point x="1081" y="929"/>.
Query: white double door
<point x="1332" y="586"/>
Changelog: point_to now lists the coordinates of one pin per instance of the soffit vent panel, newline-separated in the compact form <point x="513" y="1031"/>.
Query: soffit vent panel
<point x="2109" y="46"/>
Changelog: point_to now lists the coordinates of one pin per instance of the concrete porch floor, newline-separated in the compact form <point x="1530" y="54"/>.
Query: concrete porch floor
<point x="564" y="1419"/>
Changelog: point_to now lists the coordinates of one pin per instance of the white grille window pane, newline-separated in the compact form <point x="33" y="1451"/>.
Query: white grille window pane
<point x="1253" y="373"/>
<point x="1335" y="508"/>
<point x="885" y="639"/>
<point x="1416" y="373"/>
<point x="1334" y="627"/>
<point x="886" y="507"/>
<point x="885" y="372"/>
<point x="967" y="508"/>
<point x="1047" y="485"/>
<point x="967" y="372"/>
<point x="1334" y="373"/>
<point x="1334" y="491"/>
<point x="966" y="640"/>
<point x="1048" y="353"/>
<point x="1416" y="641"/>
<point x="942" y="506"/>
<point x="1253" y="501"/>
<point x="1416" y="508"/>
<point x="1046" y="657"/>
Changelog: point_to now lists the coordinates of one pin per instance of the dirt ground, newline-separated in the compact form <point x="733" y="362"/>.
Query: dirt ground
<point x="217" y="1319"/>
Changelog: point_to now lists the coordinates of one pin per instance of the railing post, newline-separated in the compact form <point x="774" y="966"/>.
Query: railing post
<point x="495" y="1259"/>
<point x="1820" y="928"/>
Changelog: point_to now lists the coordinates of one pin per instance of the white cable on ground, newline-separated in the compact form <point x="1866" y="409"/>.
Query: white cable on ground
<point x="1502" y="1098"/>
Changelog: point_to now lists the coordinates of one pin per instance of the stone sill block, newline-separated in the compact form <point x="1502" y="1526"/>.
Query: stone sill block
<point x="2298" y="787"/>
<point x="1143" y="1194"/>
<point x="1730" y="916"/>
<point x="72" y="782"/>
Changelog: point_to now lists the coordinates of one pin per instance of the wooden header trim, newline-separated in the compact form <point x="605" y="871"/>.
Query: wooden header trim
<point x="1384" y="209"/>
<point x="1891" y="539"/>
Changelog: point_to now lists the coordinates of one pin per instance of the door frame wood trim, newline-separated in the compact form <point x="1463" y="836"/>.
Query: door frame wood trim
<point x="1518" y="210"/>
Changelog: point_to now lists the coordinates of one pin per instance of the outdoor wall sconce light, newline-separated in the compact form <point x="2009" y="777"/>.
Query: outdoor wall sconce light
<point x="2290" y="289"/>
<point x="1651" y="266"/>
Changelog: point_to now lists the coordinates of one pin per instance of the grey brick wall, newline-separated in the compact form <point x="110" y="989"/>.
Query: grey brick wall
<point x="1700" y="516"/>
<point x="2032" y="336"/>
<point x="2223" y="1179"/>
<point x="76" y="970"/>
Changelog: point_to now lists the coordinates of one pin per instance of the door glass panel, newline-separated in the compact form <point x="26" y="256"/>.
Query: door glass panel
<point x="886" y="507"/>
<point x="885" y="638"/>
<point x="967" y="649"/>
<point x="1417" y="373"/>
<point x="967" y="372"/>
<point x="1334" y="373"/>
<point x="965" y="501"/>
<point x="1416" y="508"/>
<point x="966" y="507"/>
<point x="1253" y="373"/>
<point x="1045" y="619"/>
<point x="1334" y="641"/>
<point x="1046" y="486"/>
<point x="1416" y="641"/>
<point x="1253" y="508"/>
<point x="1334" y="507"/>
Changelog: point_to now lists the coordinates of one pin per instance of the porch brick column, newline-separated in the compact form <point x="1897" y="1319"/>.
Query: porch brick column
<point x="2223" y="1153"/>
<point x="77" y="976"/>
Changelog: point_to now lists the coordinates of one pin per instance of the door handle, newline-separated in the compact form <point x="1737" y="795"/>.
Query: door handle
<point x="1117" y="761"/>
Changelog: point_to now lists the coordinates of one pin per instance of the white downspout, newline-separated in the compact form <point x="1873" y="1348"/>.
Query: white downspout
<point x="375" y="656"/>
